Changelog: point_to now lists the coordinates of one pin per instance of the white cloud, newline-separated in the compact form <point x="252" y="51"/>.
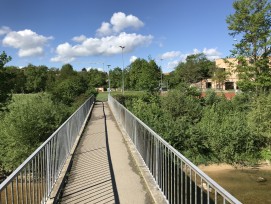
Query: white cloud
<point x="118" y="23"/>
<point x="4" y="30"/>
<point x="30" y="52"/>
<point x="104" y="30"/>
<point x="99" y="69"/>
<point x="101" y="46"/>
<point x="28" y="42"/>
<point x="173" y="64"/>
<point x="170" y="55"/>
<point x="132" y="59"/>
<point x="64" y="52"/>
<point x="195" y="51"/>
<point x="212" y="53"/>
<point x="79" y="39"/>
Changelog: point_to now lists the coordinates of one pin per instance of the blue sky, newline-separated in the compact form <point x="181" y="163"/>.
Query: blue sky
<point x="88" y="33"/>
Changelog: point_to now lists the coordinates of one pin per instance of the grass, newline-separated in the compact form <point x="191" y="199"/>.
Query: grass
<point x="102" y="96"/>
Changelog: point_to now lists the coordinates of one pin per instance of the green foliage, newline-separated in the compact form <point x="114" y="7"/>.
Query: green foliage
<point x="67" y="90"/>
<point x="206" y="130"/>
<point x="96" y="78"/>
<point x="115" y="78"/>
<point x="196" y="68"/>
<point x="128" y="97"/>
<point x="252" y="23"/>
<point x="259" y="118"/>
<point x="266" y="154"/>
<point x="220" y="76"/>
<point x="36" y="77"/>
<point x="33" y="117"/>
<point x="30" y="121"/>
<point x="18" y="80"/>
<point x="82" y="98"/>
<point x="6" y="84"/>
<point x="143" y="75"/>
<point x="72" y="88"/>
<point x="52" y="76"/>
<point x="4" y="59"/>
<point x="228" y="135"/>
<point x="66" y="71"/>
<point x="211" y="98"/>
<point x="183" y="102"/>
<point x="102" y="96"/>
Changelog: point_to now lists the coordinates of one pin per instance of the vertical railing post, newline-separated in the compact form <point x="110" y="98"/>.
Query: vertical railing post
<point x="48" y="169"/>
<point x="157" y="159"/>
<point x="135" y="133"/>
<point x="171" y="170"/>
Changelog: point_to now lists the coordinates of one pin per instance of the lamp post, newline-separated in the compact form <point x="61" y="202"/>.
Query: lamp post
<point x="122" y="47"/>
<point x="109" y="78"/>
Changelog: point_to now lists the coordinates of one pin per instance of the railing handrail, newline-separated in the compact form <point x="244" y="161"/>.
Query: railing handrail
<point x="220" y="189"/>
<point x="30" y="158"/>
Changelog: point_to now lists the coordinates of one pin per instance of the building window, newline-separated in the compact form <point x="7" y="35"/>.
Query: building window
<point x="208" y="85"/>
<point x="229" y="85"/>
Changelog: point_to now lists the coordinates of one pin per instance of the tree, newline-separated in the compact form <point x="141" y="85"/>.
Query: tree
<point x="252" y="22"/>
<point x="36" y="77"/>
<point x="115" y="78"/>
<point x="228" y="134"/>
<point x="220" y="76"/>
<point x="259" y="118"/>
<point x="66" y="71"/>
<point x="4" y="59"/>
<point x="196" y="68"/>
<point x="30" y="121"/>
<point x="144" y="75"/>
<point x="52" y="74"/>
<point x="66" y="91"/>
<point x="6" y="83"/>
<point x="18" y="80"/>
<point x="96" y="78"/>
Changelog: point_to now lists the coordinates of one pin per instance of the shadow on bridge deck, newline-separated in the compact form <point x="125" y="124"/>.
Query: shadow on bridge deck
<point x="102" y="170"/>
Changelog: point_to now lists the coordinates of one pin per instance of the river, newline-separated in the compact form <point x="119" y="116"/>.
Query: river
<point x="243" y="183"/>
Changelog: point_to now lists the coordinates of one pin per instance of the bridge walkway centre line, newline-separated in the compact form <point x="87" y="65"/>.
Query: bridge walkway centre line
<point x="102" y="169"/>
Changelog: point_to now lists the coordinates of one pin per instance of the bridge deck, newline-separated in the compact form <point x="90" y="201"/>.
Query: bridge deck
<point x="102" y="170"/>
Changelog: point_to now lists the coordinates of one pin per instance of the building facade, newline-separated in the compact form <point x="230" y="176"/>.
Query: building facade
<point x="225" y="77"/>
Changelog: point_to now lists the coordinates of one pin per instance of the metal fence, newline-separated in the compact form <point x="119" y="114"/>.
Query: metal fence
<point x="177" y="177"/>
<point x="34" y="179"/>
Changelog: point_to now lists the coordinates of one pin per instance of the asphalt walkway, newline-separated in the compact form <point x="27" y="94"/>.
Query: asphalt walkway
<point x="103" y="170"/>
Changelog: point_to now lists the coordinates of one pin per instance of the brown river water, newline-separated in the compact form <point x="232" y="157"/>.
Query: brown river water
<point x="243" y="183"/>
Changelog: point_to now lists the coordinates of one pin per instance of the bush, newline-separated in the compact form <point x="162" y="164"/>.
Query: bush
<point x="68" y="90"/>
<point x="207" y="130"/>
<point x="30" y="121"/>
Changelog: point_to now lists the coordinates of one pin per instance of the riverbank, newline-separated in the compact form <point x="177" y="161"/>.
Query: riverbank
<point x="243" y="183"/>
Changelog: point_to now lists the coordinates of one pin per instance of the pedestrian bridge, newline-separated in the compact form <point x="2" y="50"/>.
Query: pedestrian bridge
<point x="105" y="154"/>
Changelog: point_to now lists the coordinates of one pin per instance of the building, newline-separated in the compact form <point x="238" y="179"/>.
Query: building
<point x="225" y="78"/>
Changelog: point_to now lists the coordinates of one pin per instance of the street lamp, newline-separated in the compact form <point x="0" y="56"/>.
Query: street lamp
<point x="122" y="47"/>
<point x="109" y="77"/>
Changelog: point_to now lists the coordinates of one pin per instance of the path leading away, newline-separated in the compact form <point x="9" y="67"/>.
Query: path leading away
<point x="102" y="169"/>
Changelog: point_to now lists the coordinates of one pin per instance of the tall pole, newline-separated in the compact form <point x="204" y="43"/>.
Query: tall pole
<point x="122" y="47"/>
<point x="109" y="78"/>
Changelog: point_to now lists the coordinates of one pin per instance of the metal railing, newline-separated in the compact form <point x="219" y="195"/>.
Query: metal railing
<point x="177" y="177"/>
<point x="34" y="179"/>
